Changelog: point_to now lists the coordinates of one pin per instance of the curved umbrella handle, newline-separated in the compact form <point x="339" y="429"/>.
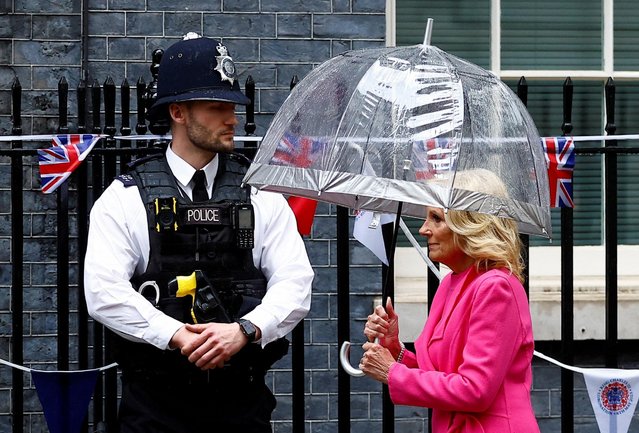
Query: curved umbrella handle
<point x="344" y="359"/>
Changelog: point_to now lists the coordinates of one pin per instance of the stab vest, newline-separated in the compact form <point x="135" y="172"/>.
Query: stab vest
<point x="230" y="270"/>
<point x="174" y="253"/>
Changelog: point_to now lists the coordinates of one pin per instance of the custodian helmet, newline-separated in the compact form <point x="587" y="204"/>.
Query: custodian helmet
<point x="196" y="68"/>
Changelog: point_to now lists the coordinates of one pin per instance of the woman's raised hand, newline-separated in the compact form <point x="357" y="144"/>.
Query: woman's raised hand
<point x="383" y="324"/>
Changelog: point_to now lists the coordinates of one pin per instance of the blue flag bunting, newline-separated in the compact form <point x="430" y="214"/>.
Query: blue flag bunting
<point x="65" y="397"/>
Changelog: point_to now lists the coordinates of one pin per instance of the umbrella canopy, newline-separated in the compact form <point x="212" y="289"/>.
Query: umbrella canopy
<point x="373" y="128"/>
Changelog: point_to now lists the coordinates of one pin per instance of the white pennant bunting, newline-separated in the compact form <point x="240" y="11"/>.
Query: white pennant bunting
<point x="612" y="397"/>
<point x="368" y="231"/>
<point x="611" y="392"/>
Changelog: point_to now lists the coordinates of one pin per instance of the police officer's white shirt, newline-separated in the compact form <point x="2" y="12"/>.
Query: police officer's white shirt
<point x="118" y="248"/>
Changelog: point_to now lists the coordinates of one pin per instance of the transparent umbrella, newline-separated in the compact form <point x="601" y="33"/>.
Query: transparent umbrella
<point x="394" y="130"/>
<point x="372" y="128"/>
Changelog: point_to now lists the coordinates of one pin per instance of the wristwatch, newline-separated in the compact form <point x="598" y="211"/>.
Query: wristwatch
<point x="248" y="329"/>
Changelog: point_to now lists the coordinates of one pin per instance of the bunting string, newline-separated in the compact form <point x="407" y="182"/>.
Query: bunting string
<point x="28" y="370"/>
<point x="167" y="137"/>
<point x="560" y="364"/>
<point x="45" y="137"/>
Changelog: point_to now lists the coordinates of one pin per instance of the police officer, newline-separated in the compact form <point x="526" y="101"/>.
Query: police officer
<point x="198" y="277"/>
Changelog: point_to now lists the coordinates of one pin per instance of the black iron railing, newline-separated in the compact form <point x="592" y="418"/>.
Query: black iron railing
<point x="110" y="157"/>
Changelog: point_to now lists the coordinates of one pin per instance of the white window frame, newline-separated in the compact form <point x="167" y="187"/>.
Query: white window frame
<point x="607" y="49"/>
<point x="545" y="296"/>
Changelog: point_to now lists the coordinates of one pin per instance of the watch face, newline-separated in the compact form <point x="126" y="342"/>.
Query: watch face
<point x="248" y="329"/>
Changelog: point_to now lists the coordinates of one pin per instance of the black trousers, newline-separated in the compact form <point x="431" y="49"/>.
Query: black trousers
<point x="215" y="402"/>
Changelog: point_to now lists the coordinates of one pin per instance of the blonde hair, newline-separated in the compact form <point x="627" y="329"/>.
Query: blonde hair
<point x="492" y="241"/>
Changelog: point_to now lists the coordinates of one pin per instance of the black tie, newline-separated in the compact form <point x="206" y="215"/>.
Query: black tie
<point x="199" y="187"/>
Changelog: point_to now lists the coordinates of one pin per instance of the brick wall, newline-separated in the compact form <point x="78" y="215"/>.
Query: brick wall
<point x="271" y="40"/>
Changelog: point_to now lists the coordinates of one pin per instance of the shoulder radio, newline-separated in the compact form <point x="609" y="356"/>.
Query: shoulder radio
<point x="244" y="225"/>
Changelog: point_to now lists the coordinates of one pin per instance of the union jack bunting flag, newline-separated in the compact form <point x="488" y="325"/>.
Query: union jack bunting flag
<point x="560" y="162"/>
<point x="58" y="162"/>
<point x="297" y="151"/>
<point x="433" y="157"/>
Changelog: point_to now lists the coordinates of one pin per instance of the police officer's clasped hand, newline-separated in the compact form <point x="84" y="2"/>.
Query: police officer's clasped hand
<point x="214" y="344"/>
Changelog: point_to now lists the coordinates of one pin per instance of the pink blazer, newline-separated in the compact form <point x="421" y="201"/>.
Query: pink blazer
<point x="473" y="359"/>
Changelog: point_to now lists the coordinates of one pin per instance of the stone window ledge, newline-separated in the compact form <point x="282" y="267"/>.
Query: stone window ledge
<point x="545" y="292"/>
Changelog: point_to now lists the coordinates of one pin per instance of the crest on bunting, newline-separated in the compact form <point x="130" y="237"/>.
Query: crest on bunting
<point x="615" y="396"/>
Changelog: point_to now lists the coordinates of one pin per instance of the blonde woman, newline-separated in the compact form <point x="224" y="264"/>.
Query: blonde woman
<point x="472" y="361"/>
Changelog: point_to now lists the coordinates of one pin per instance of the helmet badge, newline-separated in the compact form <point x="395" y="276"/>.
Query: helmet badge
<point x="225" y="65"/>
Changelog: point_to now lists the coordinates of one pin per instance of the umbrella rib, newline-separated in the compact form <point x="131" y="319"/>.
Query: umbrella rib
<point x="368" y="136"/>
<point x="532" y="156"/>
<point x="346" y="110"/>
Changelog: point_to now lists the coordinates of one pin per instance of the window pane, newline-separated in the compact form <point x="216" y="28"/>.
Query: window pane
<point x="627" y="112"/>
<point x="537" y="35"/>
<point x="551" y="34"/>
<point x="461" y="28"/>
<point x="626" y="35"/>
<point x="545" y="104"/>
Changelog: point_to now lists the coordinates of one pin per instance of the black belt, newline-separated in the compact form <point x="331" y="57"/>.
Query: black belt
<point x="228" y="375"/>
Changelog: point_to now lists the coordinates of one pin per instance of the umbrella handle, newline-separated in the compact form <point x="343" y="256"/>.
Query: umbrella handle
<point x="344" y="359"/>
